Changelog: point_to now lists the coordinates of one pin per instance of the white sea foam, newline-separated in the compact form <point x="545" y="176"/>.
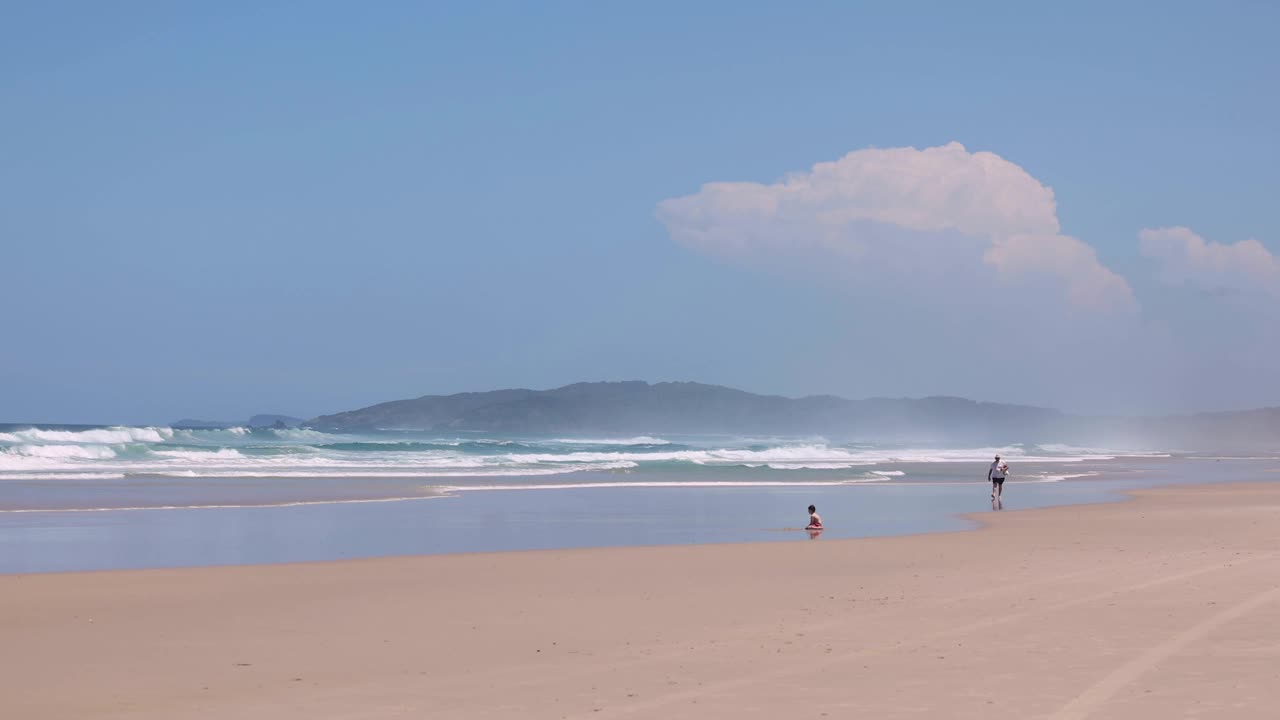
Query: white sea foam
<point x="84" y="452"/>
<point x="974" y="455"/>
<point x="199" y="455"/>
<point x="639" y="440"/>
<point x="1105" y="453"/>
<point x="229" y="433"/>
<point x="1069" y="449"/>
<point x="1234" y="457"/>
<point x="10" y="462"/>
<point x="239" y="434"/>
<point x="63" y="476"/>
<point x="1058" y="478"/>
<point x="407" y="473"/>
<point x="96" y="436"/>
<point x="794" y="456"/>
<point x="293" y="503"/>
<point x="303" y="435"/>
<point x="33" y="454"/>
<point x="661" y="484"/>
<point x="804" y="465"/>
<point x="791" y="454"/>
<point x="251" y="470"/>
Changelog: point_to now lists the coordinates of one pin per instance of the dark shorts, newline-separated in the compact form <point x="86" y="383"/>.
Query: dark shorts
<point x="997" y="481"/>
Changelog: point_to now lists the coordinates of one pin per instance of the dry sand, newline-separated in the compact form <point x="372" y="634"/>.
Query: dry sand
<point x="1164" y="606"/>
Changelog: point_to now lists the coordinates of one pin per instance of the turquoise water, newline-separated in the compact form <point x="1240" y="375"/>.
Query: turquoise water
<point x="115" y="497"/>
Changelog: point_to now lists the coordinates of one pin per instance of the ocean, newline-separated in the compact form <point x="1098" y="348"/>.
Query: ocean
<point x="80" y="498"/>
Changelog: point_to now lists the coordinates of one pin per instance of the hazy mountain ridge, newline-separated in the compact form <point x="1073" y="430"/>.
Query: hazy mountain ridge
<point x="257" y="421"/>
<point x="686" y="407"/>
<point x="638" y="407"/>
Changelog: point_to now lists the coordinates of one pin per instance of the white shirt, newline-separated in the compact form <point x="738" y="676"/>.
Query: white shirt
<point x="996" y="472"/>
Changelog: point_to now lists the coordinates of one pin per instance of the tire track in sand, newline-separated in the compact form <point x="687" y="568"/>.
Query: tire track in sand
<point x="968" y="628"/>
<point x="1083" y="705"/>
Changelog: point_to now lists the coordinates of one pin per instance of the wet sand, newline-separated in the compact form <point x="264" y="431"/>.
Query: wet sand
<point x="1167" y="605"/>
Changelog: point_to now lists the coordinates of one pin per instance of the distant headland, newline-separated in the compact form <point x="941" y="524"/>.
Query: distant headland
<point x="696" y="408"/>
<point x="257" y="421"/>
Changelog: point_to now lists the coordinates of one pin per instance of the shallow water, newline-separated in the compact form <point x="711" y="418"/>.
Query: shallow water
<point x="588" y="514"/>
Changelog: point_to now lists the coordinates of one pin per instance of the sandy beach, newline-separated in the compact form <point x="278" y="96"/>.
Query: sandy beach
<point x="1166" y="605"/>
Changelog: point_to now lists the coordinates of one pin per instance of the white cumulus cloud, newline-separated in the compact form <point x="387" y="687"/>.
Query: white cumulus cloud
<point x="898" y="215"/>
<point x="1185" y="258"/>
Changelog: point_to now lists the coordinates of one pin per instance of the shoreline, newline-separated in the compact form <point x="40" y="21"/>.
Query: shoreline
<point x="1102" y="610"/>
<point x="490" y="522"/>
<point x="459" y="491"/>
<point x="93" y="540"/>
<point x="978" y="520"/>
<point x="1056" y="613"/>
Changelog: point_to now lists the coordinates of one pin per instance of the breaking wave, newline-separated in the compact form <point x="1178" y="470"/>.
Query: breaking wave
<point x="77" y="452"/>
<point x="640" y="440"/>
<point x="112" y="453"/>
<point x="95" y="436"/>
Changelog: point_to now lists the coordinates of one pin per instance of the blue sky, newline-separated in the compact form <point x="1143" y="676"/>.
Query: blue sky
<point x="217" y="210"/>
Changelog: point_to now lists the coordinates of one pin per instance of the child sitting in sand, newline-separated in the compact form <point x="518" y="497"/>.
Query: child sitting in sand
<point x="815" y="520"/>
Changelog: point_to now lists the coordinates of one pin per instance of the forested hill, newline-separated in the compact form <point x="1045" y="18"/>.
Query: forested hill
<point x="693" y="408"/>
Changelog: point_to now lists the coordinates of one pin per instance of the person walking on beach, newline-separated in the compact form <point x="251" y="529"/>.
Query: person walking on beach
<point x="996" y="474"/>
